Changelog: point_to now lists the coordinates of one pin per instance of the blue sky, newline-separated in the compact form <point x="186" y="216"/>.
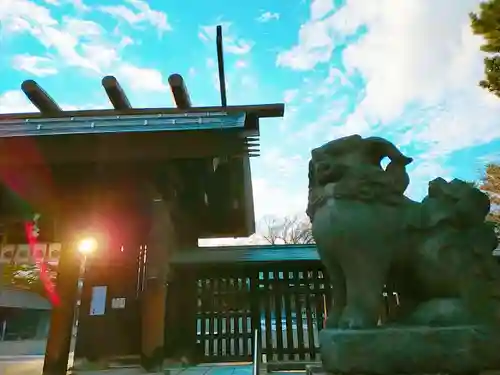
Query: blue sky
<point x="405" y="70"/>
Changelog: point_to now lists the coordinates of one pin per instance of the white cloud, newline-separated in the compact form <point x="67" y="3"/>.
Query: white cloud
<point x="211" y="66"/>
<point x="321" y="8"/>
<point x="142" y="78"/>
<point x="105" y="58"/>
<point x="326" y="128"/>
<point x="80" y="28"/>
<point x="36" y="65"/>
<point x="241" y="81"/>
<point x="290" y="95"/>
<point x="210" y="63"/>
<point x="289" y="118"/>
<point x="283" y="165"/>
<point x="428" y="166"/>
<point x="356" y="123"/>
<point x="462" y="122"/>
<point x="315" y="46"/>
<point x="336" y="77"/>
<point x="276" y="199"/>
<point x="232" y="44"/>
<point x="77" y="43"/>
<point x="316" y="39"/>
<point x="255" y="239"/>
<point x="142" y="14"/>
<point x="125" y="41"/>
<point x="268" y="16"/>
<point x="415" y="53"/>
<point x="414" y="40"/>
<point x="80" y="5"/>
<point x="493" y="157"/>
<point x="420" y="64"/>
<point x="23" y="15"/>
<point x="241" y="64"/>
<point x="15" y="102"/>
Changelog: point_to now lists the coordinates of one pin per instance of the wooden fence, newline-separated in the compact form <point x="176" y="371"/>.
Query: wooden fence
<point x="286" y="302"/>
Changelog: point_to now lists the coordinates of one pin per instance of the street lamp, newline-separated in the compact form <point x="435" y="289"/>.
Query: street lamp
<point x="87" y="246"/>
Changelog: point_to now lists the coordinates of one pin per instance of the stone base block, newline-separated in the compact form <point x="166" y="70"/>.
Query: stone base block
<point x="411" y="350"/>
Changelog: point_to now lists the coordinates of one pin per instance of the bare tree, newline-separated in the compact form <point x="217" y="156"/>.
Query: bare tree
<point x="286" y="230"/>
<point x="490" y="184"/>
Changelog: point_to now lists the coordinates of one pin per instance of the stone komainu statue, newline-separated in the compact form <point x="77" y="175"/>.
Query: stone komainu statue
<point x="437" y="253"/>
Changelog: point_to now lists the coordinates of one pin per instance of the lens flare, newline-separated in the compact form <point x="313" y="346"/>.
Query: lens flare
<point x="87" y="246"/>
<point x="48" y="284"/>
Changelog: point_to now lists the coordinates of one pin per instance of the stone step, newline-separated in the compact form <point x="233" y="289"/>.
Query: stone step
<point x="277" y="366"/>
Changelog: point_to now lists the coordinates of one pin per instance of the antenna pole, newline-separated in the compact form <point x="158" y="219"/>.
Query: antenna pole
<point x="220" y="63"/>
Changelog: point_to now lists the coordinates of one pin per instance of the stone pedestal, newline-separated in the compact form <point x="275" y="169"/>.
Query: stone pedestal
<point x="411" y="350"/>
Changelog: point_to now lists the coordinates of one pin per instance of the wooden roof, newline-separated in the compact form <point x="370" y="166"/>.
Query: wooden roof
<point x="246" y="254"/>
<point x="251" y="254"/>
<point x="22" y="299"/>
<point x="52" y="120"/>
<point x="81" y="137"/>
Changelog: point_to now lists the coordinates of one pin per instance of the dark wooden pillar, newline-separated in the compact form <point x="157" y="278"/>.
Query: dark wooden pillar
<point x="182" y="305"/>
<point x="170" y="232"/>
<point x="61" y="322"/>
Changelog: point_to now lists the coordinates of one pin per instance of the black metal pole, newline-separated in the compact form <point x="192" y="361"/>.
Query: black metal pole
<point x="220" y="62"/>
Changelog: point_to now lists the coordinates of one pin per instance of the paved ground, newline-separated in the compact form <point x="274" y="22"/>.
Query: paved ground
<point x="32" y="365"/>
<point x="22" y="347"/>
<point x="21" y="365"/>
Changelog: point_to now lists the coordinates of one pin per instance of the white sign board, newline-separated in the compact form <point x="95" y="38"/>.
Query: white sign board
<point x="98" y="301"/>
<point x="118" y="303"/>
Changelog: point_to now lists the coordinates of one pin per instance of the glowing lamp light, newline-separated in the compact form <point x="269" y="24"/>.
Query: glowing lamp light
<point x="87" y="246"/>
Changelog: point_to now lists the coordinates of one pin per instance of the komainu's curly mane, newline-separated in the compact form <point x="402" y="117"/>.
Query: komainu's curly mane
<point x="362" y="183"/>
<point x="349" y="168"/>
